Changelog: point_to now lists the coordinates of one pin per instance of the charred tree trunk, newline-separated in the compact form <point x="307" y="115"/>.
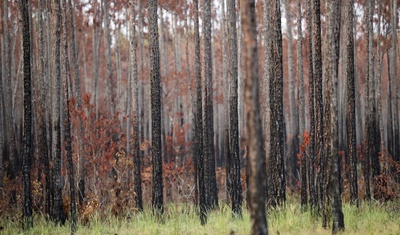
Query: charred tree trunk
<point x="236" y="193"/>
<point x="208" y="117"/>
<point x="155" y="80"/>
<point x="135" y="109"/>
<point x="27" y="136"/>
<point x="198" y="155"/>
<point x="351" y="103"/>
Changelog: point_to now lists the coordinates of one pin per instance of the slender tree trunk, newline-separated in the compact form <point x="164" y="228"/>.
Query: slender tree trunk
<point x="393" y="85"/>
<point x="111" y="87"/>
<point x="311" y="89"/>
<point x="155" y="79"/>
<point x="236" y="193"/>
<point x="27" y="135"/>
<point x="257" y="182"/>
<point x="319" y="106"/>
<point x="67" y="124"/>
<point x="351" y="103"/>
<point x="56" y="158"/>
<point x="97" y="35"/>
<point x="300" y="72"/>
<point x="77" y="81"/>
<point x="209" y="157"/>
<point x="198" y="155"/>
<point x="293" y="143"/>
<point x="135" y="109"/>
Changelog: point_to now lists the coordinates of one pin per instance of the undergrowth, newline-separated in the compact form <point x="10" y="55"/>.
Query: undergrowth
<point x="369" y="218"/>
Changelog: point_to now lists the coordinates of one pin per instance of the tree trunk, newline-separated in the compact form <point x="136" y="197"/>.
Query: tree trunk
<point x="111" y="87"/>
<point x="300" y="72"/>
<point x="27" y="135"/>
<point x="155" y="79"/>
<point x="311" y="89"/>
<point x="208" y="122"/>
<point x="351" y="103"/>
<point x="292" y="146"/>
<point x="257" y="181"/>
<point x="56" y="142"/>
<point x="317" y="76"/>
<point x="393" y="85"/>
<point x="236" y="195"/>
<point x="67" y="124"/>
<point x="97" y="35"/>
<point x="198" y="155"/>
<point x="135" y="109"/>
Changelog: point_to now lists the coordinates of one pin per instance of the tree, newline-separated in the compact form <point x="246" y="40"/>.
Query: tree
<point x="303" y="159"/>
<point x="27" y="135"/>
<point x="208" y="117"/>
<point x="67" y="124"/>
<point x="255" y="153"/>
<point x="393" y="83"/>
<point x="333" y="32"/>
<point x="319" y="105"/>
<point x="311" y="87"/>
<point x="277" y="118"/>
<point x="199" y="154"/>
<point x="351" y="102"/>
<point x="236" y="193"/>
<point x="134" y="112"/>
<point x="155" y="83"/>
<point x="108" y="55"/>
<point x="57" y="214"/>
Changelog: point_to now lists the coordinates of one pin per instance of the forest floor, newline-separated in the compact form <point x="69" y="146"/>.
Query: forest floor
<point x="369" y="218"/>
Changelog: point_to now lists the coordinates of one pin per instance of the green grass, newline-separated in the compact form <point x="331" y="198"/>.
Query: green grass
<point x="369" y="218"/>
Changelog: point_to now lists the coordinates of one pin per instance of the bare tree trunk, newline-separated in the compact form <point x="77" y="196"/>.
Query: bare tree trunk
<point x="311" y="85"/>
<point x="111" y="87"/>
<point x="351" y="103"/>
<point x="209" y="157"/>
<point x="56" y="126"/>
<point x="198" y="155"/>
<point x="97" y="35"/>
<point x="135" y="109"/>
<point x="393" y="85"/>
<point x="155" y="78"/>
<point x="292" y="146"/>
<point x="257" y="182"/>
<point x="302" y="118"/>
<point x="236" y="194"/>
<point x="27" y="122"/>
<point x="67" y="124"/>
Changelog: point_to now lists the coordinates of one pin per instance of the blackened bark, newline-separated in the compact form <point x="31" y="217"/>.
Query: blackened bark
<point x="27" y="133"/>
<point x="198" y="155"/>
<point x="236" y="195"/>
<point x="257" y="181"/>
<point x="278" y="129"/>
<point x="332" y="174"/>
<point x="208" y="118"/>
<point x="135" y="109"/>
<point x="300" y="72"/>
<point x="351" y="102"/>
<point x="319" y="105"/>
<point x="155" y="83"/>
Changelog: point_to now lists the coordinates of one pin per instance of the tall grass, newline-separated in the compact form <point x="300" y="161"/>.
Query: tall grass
<point x="369" y="218"/>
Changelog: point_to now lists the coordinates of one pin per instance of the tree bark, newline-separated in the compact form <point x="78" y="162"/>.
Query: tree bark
<point x="155" y="80"/>
<point x="198" y="155"/>
<point x="236" y="193"/>
<point x="208" y="117"/>
<point x="27" y="122"/>
<point x="135" y="109"/>
<point x="302" y="118"/>
<point x="257" y="182"/>
<point x="351" y="103"/>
